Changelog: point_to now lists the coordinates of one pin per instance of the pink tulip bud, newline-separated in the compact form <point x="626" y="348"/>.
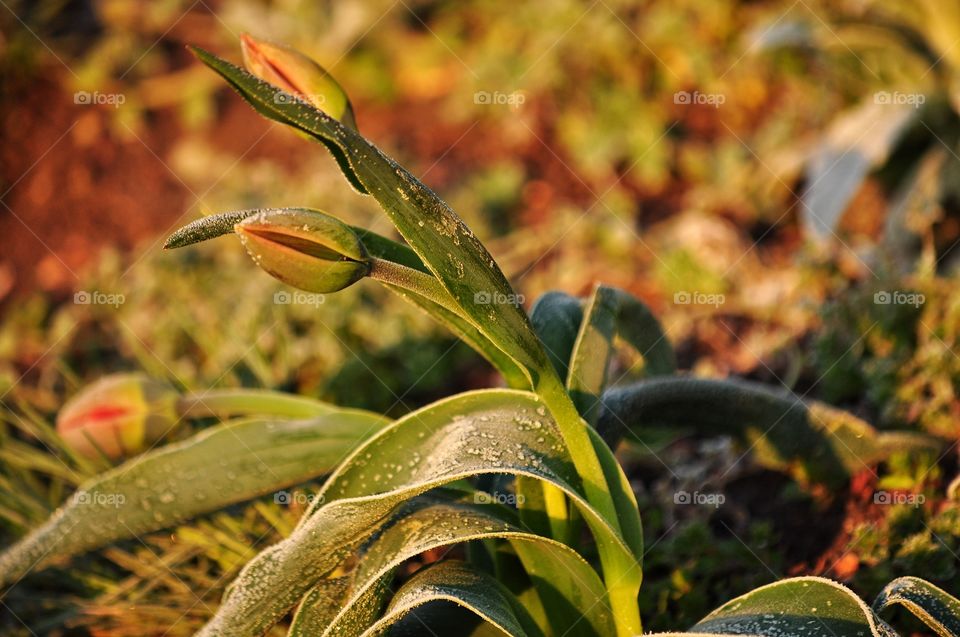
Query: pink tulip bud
<point x="119" y="415"/>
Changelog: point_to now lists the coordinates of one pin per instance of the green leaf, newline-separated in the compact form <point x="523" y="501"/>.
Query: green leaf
<point x="798" y="607"/>
<point x="640" y="330"/>
<point x="592" y="353"/>
<point x="322" y="604"/>
<point x="440" y="238"/>
<point x="934" y="606"/>
<point x="572" y="594"/>
<point x="556" y="318"/>
<point x="174" y="483"/>
<point x="823" y="443"/>
<point x="224" y="403"/>
<point x="613" y="315"/>
<point x="476" y="433"/>
<point x="456" y="582"/>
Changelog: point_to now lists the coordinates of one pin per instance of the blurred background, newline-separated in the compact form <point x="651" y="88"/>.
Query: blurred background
<point x="778" y="179"/>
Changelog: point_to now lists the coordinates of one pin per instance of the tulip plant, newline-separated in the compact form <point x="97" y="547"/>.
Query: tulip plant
<point x="522" y="478"/>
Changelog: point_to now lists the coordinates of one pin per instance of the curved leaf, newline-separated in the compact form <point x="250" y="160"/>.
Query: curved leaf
<point x="798" y="607"/>
<point x="458" y="583"/>
<point x="569" y="586"/>
<point x="174" y="483"/>
<point x="322" y="604"/>
<point x="612" y="314"/>
<point x="592" y="353"/>
<point x="223" y="403"/>
<point x="482" y="432"/>
<point x="638" y="328"/>
<point x="938" y="609"/>
<point x="441" y="239"/>
<point x="556" y="318"/>
<point x="826" y="444"/>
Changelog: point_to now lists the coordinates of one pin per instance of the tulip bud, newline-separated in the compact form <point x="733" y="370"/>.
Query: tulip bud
<point x="298" y="75"/>
<point x="307" y="249"/>
<point x="119" y="415"/>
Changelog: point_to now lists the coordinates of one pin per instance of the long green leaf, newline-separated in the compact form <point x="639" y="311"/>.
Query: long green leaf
<point x="458" y="583"/>
<point x="476" y="433"/>
<point x="440" y="238"/>
<point x="938" y="609"/>
<point x="798" y="607"/>
<point x="322" y="604"/>
<point x="571" y="588"/>
<point x="825" y="444"/>
<point x="556" y="318"/>
<point x="236" y="402"/>
<point x="612" y="315"/>
<point x="224" y="464"/>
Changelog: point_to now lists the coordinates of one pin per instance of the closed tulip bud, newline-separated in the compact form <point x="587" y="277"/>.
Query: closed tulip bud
<point x="305" y="248"/>
<point x="119" y="415"/>
<point x="298" y="75"/>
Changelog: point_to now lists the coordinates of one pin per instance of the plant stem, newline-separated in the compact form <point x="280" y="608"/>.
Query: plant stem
<point x="230" y="402"/>
<point x="623" y="597"/>
<point x="426" y="285"/>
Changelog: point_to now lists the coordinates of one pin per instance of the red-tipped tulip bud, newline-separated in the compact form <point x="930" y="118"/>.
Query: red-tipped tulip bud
<point x="297" y="75"/>
<point x="307" y="249"/>
<point x="117" y="416"/>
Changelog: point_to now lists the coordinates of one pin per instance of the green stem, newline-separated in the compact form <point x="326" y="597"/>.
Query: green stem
<point x="426" y="285"/>
<point x="232" y="402"/>
<point x="623" y="599"/>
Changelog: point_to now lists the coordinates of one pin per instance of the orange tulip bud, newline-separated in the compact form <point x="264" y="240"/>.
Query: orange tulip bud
<point x="307" y="249"/>
<point x="298" y="76"/>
